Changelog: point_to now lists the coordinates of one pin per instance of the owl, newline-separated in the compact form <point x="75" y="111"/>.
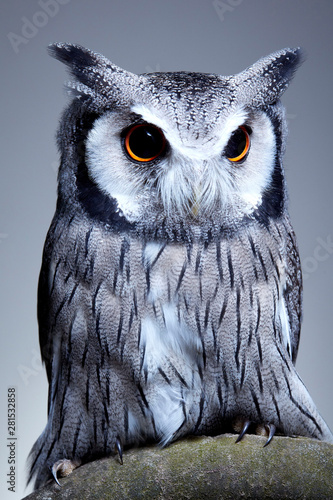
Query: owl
<point x="169" y="299"/>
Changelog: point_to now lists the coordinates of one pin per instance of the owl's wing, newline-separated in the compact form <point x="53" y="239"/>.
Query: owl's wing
<point x="43" y="307"/>
<point x="293" y="292"/>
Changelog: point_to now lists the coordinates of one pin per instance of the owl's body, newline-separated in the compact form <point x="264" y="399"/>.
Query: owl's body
<point x="170" y="289"/>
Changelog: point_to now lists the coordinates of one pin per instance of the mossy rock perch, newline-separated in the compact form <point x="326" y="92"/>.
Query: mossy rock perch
<point x="206" y="468"/>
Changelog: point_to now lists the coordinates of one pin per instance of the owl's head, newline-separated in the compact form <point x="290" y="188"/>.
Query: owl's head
<point x="174" y="154"/>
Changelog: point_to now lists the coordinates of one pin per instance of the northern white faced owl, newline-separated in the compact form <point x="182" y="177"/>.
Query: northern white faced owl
<point x="169" y="298"/>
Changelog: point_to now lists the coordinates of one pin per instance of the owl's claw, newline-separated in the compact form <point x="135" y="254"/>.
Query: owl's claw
<point x="246" y="425"/>
<point x="54" y="474"/>
<point x="63" y="467"/>
<point x="261" y="430"/>
<point x="272" y="430"/>
<point x="119" y="449"/>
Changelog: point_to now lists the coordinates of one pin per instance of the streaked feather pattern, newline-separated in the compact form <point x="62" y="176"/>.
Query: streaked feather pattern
<point x="182" y="343"/>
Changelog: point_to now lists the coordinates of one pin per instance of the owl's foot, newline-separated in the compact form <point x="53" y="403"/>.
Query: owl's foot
<point x="64" y="467"/>
<point x="261" y="430"/>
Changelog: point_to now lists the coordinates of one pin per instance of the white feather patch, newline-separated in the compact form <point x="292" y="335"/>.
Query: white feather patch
<point x="285" y="325"/>
<point x="153" y="345"/>
<point x="150" y="252"/>
<point x="162" y="345"/>
<point x="168" y="412"/>
<point x="175" y="340"/>
<point x="181" y="340"/>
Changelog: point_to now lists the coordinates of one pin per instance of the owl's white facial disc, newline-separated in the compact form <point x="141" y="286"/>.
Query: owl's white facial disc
<point x="194" y="178"/>
<point x="255" y="175"/>
<point x="107" y="165"/>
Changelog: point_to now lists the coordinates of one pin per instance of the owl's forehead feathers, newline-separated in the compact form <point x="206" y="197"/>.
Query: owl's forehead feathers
<point x="188" y="90"/>
<point x="107" y="86"/>
<point x="192" y="103"/>
<point x="205" y="132"/>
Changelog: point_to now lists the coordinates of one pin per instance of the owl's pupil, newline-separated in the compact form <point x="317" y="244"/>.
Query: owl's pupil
<point x="238" y="145"/>
<point x="144" y="142"/>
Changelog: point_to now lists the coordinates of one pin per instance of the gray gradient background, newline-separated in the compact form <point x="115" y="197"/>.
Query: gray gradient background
<point x="146" y="36"/>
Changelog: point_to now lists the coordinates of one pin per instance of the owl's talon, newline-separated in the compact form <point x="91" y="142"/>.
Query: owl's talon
<point x="246" y="425"/>
<point x="54" y="474"/>
<point x="272" y="430"/>
<point x="64" y="467"/>
<point x="119" y="449"/>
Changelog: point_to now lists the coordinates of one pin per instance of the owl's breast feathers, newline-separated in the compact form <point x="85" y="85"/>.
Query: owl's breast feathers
<point x="190" y="327"/>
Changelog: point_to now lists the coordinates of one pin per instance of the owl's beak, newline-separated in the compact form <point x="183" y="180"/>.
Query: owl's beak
<point x="195" y="202"/>
<point x="195" y="209"/>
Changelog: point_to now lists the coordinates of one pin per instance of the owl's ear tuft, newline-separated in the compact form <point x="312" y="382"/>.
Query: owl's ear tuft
<point x="94" y="73"/>
<point x="73" y="55"/>
<point x="81" y="60"/>
<point x="268" y="78"/>
<point x="284" y="66"/>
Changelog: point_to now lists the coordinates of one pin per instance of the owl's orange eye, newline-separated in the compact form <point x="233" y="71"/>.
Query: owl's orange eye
<point x="238" y="145"/>
<point x="144" y="142"/>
